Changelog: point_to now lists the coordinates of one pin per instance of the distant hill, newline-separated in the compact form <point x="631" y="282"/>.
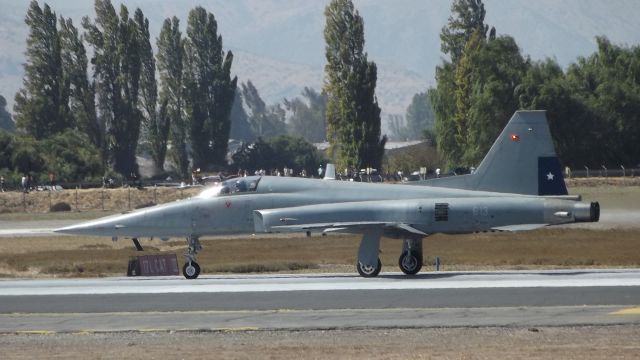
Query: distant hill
<point x="279" y="45"/>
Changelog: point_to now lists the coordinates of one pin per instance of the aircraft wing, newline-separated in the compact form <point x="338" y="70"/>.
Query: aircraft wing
<point x="348" y="227"/>
<point x="350" y="217"/>
<point x="520" y="227"/>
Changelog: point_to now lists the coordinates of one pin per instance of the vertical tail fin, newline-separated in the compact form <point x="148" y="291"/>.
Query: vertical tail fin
<point x="521" y="161"/>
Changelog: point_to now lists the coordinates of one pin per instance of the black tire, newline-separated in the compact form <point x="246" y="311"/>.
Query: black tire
<point x="369" y="271"/>
<point x="191" y="270"/>
<point x="410" y="263"/>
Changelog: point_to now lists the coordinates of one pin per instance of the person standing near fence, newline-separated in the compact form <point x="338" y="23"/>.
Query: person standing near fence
<point x="1" y="183"/>
<point x="23" y="183"/>
<point x="52" y="181"/>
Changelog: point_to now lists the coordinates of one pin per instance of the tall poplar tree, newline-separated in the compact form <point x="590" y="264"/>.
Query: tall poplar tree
<point x="41" y="106"/>
<point x="154" y="119"/>
<point x="6" y="123"/>
<point x="450" y="106"/>
<point x="265" y="121"/>
<point x="308" y="118"/>
<point x="116" y="69"/>
<point x="81" y="91"/>
<point x="209" y="89"/>
<point x="353" y="114"/>
<point x="170" y="59"/>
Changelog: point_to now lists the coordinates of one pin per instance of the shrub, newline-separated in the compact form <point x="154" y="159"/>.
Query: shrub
<point x="61" y="206"/>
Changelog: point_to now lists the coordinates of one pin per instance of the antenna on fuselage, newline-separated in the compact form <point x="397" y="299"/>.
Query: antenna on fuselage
<point x="330" y="172"/>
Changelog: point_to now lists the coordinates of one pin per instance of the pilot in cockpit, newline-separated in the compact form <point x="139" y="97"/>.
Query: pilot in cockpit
<point x="241" y="186"/>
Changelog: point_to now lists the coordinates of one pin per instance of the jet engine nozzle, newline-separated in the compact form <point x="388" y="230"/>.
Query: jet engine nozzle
<point x="586" y="212"/>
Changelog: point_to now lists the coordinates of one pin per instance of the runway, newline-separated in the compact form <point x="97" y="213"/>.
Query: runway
<point x="322" y="301"/>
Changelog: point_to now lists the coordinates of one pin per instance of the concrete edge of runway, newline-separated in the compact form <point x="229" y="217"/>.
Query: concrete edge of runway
<point x="323" y="320"/>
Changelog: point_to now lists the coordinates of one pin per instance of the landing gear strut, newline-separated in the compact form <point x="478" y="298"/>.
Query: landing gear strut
<point x="410" y="260"/>
<point x="191" y="269"/>
<point x="368" y="264"/>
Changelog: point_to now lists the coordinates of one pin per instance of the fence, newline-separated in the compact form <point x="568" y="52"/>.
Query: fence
<point x="95" y="199"/>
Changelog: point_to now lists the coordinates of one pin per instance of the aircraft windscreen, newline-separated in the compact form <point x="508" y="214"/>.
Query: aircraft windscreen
<point x="233" y="186"/>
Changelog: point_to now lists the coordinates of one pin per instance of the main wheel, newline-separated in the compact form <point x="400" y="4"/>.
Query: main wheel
<point x="410" y="263"/>
<point x="191" y="270"/>
<point x="369" y="271"/>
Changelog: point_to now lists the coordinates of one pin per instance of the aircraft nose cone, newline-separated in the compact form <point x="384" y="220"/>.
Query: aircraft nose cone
<point x="89" y="228"/>
<point x="108" y="226"/>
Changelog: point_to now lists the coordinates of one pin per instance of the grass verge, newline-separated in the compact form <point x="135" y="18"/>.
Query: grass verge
<point x="542" y="249"/>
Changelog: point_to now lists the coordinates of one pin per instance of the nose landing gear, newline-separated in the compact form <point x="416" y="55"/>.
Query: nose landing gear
<point x="191" y="269"/>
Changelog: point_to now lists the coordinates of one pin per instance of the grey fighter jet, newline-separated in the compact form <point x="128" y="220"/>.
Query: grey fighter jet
<point x="518" y="186"/>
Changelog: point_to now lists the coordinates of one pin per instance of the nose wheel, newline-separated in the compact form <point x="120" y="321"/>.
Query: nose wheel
<point x="191" y="270"/>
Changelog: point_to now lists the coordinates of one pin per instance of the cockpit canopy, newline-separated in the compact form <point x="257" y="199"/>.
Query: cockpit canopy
<point x="234" y="186"/>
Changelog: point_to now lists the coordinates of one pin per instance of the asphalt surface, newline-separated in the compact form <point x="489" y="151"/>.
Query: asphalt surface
<point x="322" y="301"/>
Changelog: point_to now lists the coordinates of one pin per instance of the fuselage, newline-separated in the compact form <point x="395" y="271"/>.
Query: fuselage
<point x="230" y="207"/>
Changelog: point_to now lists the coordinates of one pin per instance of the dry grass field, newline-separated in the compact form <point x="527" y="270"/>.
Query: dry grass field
<point x="548" y="249"/>
<point x="87" y="257"/>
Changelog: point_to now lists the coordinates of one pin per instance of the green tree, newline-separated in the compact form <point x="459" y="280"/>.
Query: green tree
<point x="265" y="121"/>
<point x="444" y="106"/>
<point x="70" y="156"/>
<point x="420" y="115"/>
<point x="353" y="114"/>
<point x="6" y="123"/>
<point x="398" y="128"/>
<point x="419" y="118"/>
<point x="41" y="106"/>
<point x="497" y="67"/>
<point x="81" y="91"/>
<point x="607" y="83"/>
<point x="572" y="124"/>
<point x="170" y="67"/>
<point x="240" y="127"/>
<point x="6" y="150"/>
<point x="116" y="70"/>
<point x="154" y="118"/>
<point x="308" y="115"/>
<point x="279" y="152"/>
<point x="210" y="90"/>
<point x="27" y="155"/>
<point x="466" y="19"/>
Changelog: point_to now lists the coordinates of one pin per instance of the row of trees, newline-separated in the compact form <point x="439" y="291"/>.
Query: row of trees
<point x="189" y="114"/>
<point x="122" y="100"/>
<point x="592" y="107"/>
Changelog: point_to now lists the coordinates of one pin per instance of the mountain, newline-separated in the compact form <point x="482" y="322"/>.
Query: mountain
<point x="279" y="45"/>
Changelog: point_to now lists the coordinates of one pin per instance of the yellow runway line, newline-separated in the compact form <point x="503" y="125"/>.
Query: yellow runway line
<point x="629" y="311"/>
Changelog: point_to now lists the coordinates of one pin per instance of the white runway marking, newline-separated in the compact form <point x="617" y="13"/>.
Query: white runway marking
<point x="319" y="282"/>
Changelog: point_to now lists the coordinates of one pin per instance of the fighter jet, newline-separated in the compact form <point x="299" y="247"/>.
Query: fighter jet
<point x="517" y="186"/>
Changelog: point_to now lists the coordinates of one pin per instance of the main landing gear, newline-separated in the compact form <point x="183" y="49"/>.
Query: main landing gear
<point x="191" y="269"/>
<point x="369" y="264"/>
<point x="410" y="260"/>
<point x="368" y="270"/>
